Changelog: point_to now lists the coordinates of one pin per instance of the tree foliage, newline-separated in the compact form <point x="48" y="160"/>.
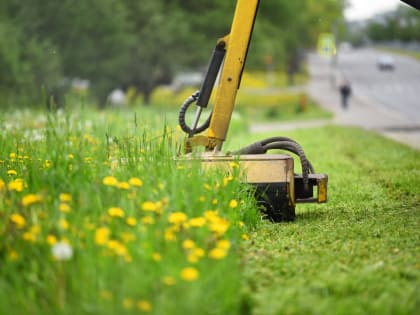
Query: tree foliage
<point x="402" y="24"/>
<point x="122" y="43"/>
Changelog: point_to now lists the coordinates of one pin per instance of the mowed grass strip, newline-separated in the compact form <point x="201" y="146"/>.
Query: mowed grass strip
<point x="357" y="254"/>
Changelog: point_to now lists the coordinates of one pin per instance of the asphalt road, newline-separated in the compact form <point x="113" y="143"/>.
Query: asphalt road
<point x="396" y="91"/>
<point x="385" y="102"/>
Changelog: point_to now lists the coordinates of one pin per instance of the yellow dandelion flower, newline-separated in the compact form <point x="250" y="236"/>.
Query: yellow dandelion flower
<point x="47" y="164"/>
<point x="144" y="306"/>
<point x="12" y="255"/>
<point x="227" y="179"/>
<point x="135" y="182"/>
<point x="51" y="239"/>
<point x="245" y="237"/>
<point x="102" y="235"/>
<point x="29" y="237"/>
<point x="149" y="206"/>
<point x="202" y="198"/>
<point x="117" y="247"/>
<point x="64" y="207"/>
<point x="192" y="259"/>
<point x="177" y="218"/>
<point x="127" y="303"/>
<point x="148" y="220"/>
<point x="219" y="226"/>
<point x="199" y="252"/>
<point x="65" y="197"/>
<point x="16" y="185"/>
<point x="35" y="229"/>
<point x="110" y="181"/>
<point x="188" y="244"/>
<point x="116" y="212"/>
<point x="18" y="220"/>
<point x="70" y="156"/>
<point x="210" y="215"/>
<point x="131" y="221"/>
<point x="30" y="199"/>
<point x="189" y="274"/>
<point x="11" y="173"/>
<point x="121" y="250"/>
<point x="123" y="185"/>
<point x="128" y="237"/>
<point x="234" y="164"/>
<point x="112" y="244"/>
<point x="169" y="235"/>
<point x="241" y="224"/>
<point x="156" y="257"/>
<point x="12" y="156"/>
<point x="63" y="224"/>
<point x="215" y="201"/>
<point x="32" y="234"/>
<point x="223" y="244"/>
<point x="169" y="281"/>
<point x="217" y="253"/>
<point x="197" y="222"/>
<point x="233" y="204"/>
<point x="2" y="185"/>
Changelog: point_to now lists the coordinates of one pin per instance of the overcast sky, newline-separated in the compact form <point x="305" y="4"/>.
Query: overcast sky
<point x="362" y="9"/>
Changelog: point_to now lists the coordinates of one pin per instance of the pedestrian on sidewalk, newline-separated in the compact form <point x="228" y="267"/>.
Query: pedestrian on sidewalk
<point x="345" y="92"/>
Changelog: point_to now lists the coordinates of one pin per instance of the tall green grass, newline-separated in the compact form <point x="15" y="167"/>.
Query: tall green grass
<point x="97" y="217"/>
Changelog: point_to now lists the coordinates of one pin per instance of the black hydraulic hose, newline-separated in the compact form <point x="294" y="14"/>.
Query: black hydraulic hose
<point x="281" y="143"/>
<point x="294" y="147"/>
<point x="211" y="75"/>
<point x="182" y="112"/>
<point x="274" y="139"/>
<point x="290" y="146"/>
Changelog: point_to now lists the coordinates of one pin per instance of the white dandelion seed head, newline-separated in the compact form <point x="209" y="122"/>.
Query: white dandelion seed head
<point x="62" y="251"/>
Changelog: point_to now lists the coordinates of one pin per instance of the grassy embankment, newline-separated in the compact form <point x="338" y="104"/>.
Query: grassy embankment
<point x="96" y="218"/>
<point x="357" y="254"/>
<point x="402" y="52"/>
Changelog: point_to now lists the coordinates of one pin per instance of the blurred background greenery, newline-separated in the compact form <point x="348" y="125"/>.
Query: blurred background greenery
<point x="48" y="47"/>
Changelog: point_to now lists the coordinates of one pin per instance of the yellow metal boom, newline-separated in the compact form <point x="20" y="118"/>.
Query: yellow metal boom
<point x="276" y="186"/>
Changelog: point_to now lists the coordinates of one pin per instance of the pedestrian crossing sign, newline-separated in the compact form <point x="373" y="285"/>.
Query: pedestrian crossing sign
<point x="326" y="45"/>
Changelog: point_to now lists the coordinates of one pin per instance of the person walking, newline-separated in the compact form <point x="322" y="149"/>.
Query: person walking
<point x="345" y="92"/>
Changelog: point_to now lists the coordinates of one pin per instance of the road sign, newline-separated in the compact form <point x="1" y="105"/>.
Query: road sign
<point x="326" y="45"/>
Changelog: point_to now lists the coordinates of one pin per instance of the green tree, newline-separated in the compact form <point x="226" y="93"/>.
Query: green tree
<point x="121" y="43"/>
<point x="403" y="24"/>
<point x="86" y="39"/>
<point x="284" y="29"/>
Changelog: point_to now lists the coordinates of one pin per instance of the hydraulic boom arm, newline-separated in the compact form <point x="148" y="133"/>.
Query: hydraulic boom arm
<point x="233" y="48"/>
<point x="276" y="186"/>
